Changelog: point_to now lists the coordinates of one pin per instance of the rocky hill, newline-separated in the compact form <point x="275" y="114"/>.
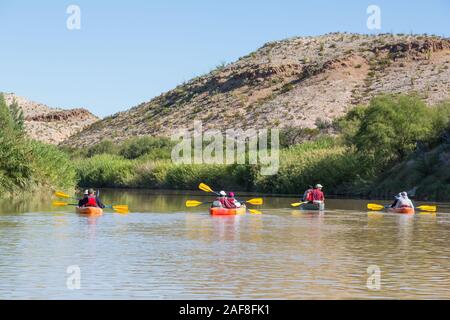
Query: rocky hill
<point x="51" y="125"/>
<point x="301" y="82"/>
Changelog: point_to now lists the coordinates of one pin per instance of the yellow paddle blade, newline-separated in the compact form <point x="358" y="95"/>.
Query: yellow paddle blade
<point x="193" y="203"/>
<point x="428" y="208"/>
<point x="205" y="188"/>
<point x="256" y="202"/>
<point x="298" y="204"/>
<point x="59" y="204"/>
<point x="60" y="194"/>
<point x="254" y="211"/>
<point x="121" y="207"/>
<point x="122" y="211"/>
<point x="375" y="207"/>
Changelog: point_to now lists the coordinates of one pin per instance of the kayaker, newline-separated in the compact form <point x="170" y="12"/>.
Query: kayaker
<point x="220" y="201"/>
<point x="91" y="200"/>
<point x="231" y="202"/>
<point x="82" y="200"/>
<point x="394" y="205"/>
<point x="307" y="196"/>
<point x="403" y="201"/>
<point x="317" y="194"/>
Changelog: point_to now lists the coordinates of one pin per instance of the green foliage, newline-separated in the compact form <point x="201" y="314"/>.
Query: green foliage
<point x="17" y="117"/>
<point x="52" y="168"/>
<point x="290" y="136"/>
<point x="27" y="165"/>
<point x="105" y="171"/>
<point x="389" y="129"/>
<point x="104" y="147"/>
<point x="138" y="147"/>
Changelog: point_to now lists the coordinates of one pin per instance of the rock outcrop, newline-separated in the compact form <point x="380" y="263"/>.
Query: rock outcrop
<point x="51" y="125"/>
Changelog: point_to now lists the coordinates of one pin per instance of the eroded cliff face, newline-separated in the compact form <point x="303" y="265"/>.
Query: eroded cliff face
<point x="51" y="125"/>
<point x="297" y="82"/>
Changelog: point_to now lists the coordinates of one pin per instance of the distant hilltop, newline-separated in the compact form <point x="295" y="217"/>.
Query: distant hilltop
<point x="51" y="125"/>
<point x="299" y="82"/>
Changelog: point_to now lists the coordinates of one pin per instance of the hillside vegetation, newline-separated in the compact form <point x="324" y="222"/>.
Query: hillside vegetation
<point x="372" y="142"/>
<point x="26" y="165"/>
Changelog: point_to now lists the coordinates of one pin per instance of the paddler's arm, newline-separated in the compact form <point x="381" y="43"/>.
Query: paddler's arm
<point x="100" y="203"/>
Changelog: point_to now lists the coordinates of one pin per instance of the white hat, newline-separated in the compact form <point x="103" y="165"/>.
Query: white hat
<point x="86" y="192"/>
<point x="319" y="186"/>
<point x="223" y="193"/>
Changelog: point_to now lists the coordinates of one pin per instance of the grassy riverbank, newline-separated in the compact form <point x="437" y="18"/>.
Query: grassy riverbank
<point x="368" y="154"/>
<point x="26" y="165"/>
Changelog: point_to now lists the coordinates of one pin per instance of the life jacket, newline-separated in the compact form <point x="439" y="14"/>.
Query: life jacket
<point x="309" y="195"/>
<point x="229" y="203"/>
<point x="317" y="195"/>
<point x="221" y="200"/>
<point x="92" y="202"/>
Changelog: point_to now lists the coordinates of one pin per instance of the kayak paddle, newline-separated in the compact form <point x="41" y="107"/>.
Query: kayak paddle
<point x="117" y="209"/>
<point x="60" y="194"/>
<point x="206" y="188"/>
<point x="298" y="204"/>
<point x="194" y="203"/>
<point x="378" y="207"/>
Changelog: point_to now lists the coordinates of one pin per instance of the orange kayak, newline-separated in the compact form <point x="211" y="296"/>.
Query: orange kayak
<point x="401" y="210"/>
<point x="90" y="211"/>
<point x="227" y="212"/>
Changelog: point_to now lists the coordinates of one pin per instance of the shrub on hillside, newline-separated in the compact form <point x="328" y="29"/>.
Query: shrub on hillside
<point x="105" y="171"/>
<point x="138" y="147"/>
<point x="389" y="129"/>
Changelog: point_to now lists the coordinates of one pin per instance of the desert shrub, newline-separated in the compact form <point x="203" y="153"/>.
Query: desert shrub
<point x="389" y="129"/>
<point x="138" y="147"/>
<point x="105" y="171"/>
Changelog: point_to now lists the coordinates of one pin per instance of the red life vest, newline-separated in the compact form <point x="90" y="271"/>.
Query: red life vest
<point x="92" y="202"/>
<point x="222" y="201"/>
<point x="309" y="196"/>
<point x="229" y="203"/>
<point x="317" y="195"/>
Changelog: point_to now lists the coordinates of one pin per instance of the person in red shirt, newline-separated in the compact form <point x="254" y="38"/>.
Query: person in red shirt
<point x="317" y="194"/>
<point x="307" y="196"/>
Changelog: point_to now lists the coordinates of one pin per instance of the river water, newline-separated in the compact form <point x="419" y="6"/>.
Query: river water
<point x="164" y="251"/>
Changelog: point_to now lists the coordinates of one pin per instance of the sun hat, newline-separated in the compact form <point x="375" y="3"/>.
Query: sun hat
<point x="223" y="193"/>
<point x="231" y="194"/>
<point x="319" y="186"/>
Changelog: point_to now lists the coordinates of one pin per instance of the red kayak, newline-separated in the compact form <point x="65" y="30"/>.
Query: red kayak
<point x="227" y="212"/>
<point x="90" y="211"/>
<point x="401" y="210"/>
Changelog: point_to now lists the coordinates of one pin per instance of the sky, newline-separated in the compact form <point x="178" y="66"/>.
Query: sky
<point x="127" y="52"/>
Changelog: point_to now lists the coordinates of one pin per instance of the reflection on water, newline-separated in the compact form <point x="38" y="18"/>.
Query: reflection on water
<point x="163" y="250"/>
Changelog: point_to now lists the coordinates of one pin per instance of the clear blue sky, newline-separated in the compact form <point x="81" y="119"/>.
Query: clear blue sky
<point x="127" y="52"/>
